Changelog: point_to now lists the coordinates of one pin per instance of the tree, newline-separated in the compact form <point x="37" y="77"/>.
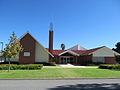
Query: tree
<point x="63" y="46"/>
<point x="117" y="49"/>
<point x="12" y="49"/>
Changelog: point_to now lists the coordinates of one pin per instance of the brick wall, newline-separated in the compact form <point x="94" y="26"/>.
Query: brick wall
<point x="84" y="59"/>
<point x="110" y="60"/>
<point x="28" y="44"/>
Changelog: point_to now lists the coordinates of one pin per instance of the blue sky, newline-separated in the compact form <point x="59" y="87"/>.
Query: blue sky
<point x="89" y="23"/>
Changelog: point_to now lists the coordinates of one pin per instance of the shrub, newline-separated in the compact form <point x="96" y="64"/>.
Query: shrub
<point x="22" y="67"/>
<point x="3" y="67"/>
<point x="98" y="63"/>
<point x="116" y="67"/>
<point x="46" y="64"/>
<point x="108" y="66"/>
<point x="52" y="64"/>
<point x="7" y="64"/>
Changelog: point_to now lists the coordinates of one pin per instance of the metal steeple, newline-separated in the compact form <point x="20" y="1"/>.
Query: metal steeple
<point x="51" y="26"/>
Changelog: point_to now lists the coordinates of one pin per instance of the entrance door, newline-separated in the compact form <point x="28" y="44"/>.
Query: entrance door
<point x="67" y="59"/>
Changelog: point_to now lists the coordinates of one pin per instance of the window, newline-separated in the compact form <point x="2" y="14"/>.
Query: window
<point x="26" y="53"/>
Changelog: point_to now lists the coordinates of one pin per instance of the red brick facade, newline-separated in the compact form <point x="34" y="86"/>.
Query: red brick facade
<point x="86" y="59"/>
<point x="28" y="44"/>
<point x="110" y="60"/>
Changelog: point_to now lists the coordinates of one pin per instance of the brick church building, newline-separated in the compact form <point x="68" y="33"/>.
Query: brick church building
<point x="34" y="52"/>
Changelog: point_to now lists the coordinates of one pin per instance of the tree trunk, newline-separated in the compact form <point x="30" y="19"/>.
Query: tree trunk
<point x="4" y="59"/>
<point x="9" y="65"/>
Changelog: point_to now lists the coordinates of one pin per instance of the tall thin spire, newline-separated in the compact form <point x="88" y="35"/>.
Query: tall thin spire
<point x="51" y="26"/>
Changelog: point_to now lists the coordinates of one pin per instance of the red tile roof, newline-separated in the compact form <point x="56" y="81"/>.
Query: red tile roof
<point x="56" y="52"/>
<point x="81" y="52"/>
<point x="91" y="50"/>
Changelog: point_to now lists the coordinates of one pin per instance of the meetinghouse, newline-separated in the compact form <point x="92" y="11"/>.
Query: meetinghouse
<point x="35" y="52"/>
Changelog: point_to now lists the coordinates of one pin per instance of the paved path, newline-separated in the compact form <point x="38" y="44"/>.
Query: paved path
<point x="75" y="66"/>
<point x="70" y="66"/>
<point x="81" y="84"/>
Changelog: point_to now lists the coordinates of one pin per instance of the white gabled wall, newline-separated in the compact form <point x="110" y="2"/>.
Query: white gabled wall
<point x="104" y="52"/>
<point x="40" y="54"/>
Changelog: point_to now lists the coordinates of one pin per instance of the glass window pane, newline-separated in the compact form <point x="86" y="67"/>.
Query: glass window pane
<point x="26" y="53"/>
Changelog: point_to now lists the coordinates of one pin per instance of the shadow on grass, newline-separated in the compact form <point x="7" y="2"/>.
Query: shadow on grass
<point x="103" y="86"/>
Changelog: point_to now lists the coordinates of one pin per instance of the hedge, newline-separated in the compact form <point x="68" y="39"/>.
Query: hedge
<point x="46" y="64"/>
<point x="108" y="66"/>
<point x="22" y="67"/>
<point x="52" y="64"/>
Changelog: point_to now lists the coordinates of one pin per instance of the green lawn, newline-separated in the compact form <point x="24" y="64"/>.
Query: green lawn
<point x="59" y="73"/>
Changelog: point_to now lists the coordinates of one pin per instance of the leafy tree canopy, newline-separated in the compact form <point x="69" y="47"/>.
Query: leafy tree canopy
<point x="63" y="46"/>
<point x="117" y="49"/>
<point x="13" y="48"/>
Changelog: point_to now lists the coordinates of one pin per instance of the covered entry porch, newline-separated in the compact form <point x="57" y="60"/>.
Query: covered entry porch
<point x="68" y="57"/>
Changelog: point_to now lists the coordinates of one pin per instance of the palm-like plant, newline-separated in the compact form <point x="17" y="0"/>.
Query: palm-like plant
<point x="63" y="46"/>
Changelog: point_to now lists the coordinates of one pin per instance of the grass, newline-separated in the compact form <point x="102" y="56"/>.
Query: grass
<point x="59" y="73"/>
<point x="91" y="66"/>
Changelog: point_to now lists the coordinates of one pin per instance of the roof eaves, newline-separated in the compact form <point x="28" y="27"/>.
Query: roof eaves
<point x="74" y="53"/>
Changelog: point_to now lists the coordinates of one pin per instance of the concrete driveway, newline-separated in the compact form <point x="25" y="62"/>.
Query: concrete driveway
<point x="78" y="84"/>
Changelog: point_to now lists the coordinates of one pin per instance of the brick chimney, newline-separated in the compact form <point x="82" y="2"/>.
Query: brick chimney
<point x="51" y="41"/>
